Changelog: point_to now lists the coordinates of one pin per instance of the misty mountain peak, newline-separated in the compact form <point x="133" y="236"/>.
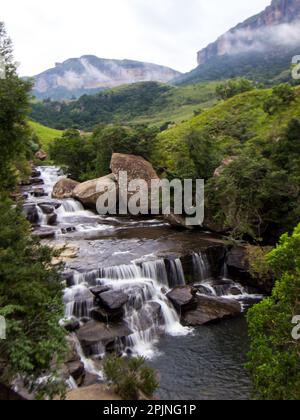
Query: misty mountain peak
<point x="89" y="74"/>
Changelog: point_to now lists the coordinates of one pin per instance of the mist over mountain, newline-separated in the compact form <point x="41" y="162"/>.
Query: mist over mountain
<point x="90" y="74"/>
<point x="262" y="47"/>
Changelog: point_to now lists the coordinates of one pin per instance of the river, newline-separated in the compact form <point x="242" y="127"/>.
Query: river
<point x="142" y="258"/>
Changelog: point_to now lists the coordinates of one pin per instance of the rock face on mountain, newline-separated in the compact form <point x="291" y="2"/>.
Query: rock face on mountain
<point x="271" y="26"/>
<point x="89" y="74"/>
<point x="261" y="48"/>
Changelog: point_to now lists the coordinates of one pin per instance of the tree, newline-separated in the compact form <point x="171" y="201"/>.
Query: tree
<point x="30" y="301"/>
<point x="274" y="360"/>
<point x="233" y="87"/>
<point x="282" y="96"/>
<point x="14" y="105"/>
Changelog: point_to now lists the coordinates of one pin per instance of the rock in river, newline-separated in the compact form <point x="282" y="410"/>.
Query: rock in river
<point x="210" y="309"/>
<point x="93" y="333"/>
<point x="113" y="300"/>
<point x="182" y="298"/>
<point x="89" y="192"/>
<point x="64" y="188"/>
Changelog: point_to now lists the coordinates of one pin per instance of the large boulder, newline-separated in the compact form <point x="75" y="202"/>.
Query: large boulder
<point x="183" y="297"/>
<point x="113" y="300"/>
<point x="89" y="192"/>
<point x="64" y="188"/>
<point x="31" y="213"/>
<point x="135" y="166"/>
<point x="41" y="155"/>
<point x="211" y="309"/>
<point x="96" y="333"/>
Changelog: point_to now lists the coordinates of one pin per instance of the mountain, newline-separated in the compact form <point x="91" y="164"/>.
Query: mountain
<point x="90" y="74"/>
<point x="261" y="48"/>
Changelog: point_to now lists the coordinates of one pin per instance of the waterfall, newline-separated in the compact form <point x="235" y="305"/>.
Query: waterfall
<point x="201" y="267"/>
<point x="177" y="277"/>
<point x="156" y="270"/>
<point x="148" y="312"/>
<point x="50" y="175"/>
<point x="78" y="301"/>
<point x="43" y="219"/>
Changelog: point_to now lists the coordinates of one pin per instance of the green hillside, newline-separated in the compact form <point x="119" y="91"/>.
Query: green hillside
<point x="45" y="134"/>
<point x="229" y="125"/>
<point x="141" y="103"/>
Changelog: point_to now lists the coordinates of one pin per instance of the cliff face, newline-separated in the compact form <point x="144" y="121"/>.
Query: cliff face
<point x="278" y="24"/>
<point x="86" y="74"/>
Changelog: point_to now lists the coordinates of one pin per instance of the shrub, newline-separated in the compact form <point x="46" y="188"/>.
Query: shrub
<point x="274" y="361"/>
<point x="130" y="377"/>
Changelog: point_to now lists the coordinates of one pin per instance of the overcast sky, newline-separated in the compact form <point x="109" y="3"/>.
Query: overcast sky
<point x="168" y="32"/>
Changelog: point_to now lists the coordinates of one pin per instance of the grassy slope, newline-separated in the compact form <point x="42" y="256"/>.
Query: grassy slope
<point x="231" y="124"/>
<point x="45" y="134"/>
<point x="151" y="103"/>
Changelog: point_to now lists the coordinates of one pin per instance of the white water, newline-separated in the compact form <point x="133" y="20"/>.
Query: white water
<point x="177" y="273"/>
<point x="201" y="267"/>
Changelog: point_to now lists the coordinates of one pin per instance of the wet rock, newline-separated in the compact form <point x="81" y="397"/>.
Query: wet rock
<point x="182" y="298"/>
<point x="94" y="333"/>
<point x="66" y="230"/>
<point x="113" y="300"/>
<point x="89" y="192"/>
<point x="69" y="278"/>
<point x="99" y="289"/>
<point x="47" y="208"/>
<point x="52" y="219"/>
<point x="41" y="155"/>
<point x="102" y="315"/>
<point x="150" y="315"/>
<point x="31" y="213"/>
<point x="44" y="233"/>
<point x="64" y="188"/>
<point x="38" y="192"/>
<point x="76" y="370"/>
<point x="239" y="269"/>
<point x="35" y="173"/>
<point x="36" y="181"/>
<point x="177" y="221"/>
<point x="211" y="309"/>
<point x="66" y="252"/>
<point x="71" y="325"/>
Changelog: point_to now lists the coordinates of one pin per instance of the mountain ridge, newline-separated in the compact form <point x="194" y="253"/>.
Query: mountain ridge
<point x="272" y="36"/>
<point x="91" y="74"/>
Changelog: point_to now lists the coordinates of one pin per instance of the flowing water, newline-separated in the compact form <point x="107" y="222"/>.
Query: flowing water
<point x="140" y="258"/>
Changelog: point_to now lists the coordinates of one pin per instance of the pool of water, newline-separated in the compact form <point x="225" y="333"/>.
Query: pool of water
<point x="208" y="365"/>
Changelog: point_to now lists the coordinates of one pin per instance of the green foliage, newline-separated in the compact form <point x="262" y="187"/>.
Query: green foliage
<point x="130" y="377"/>
<point x="233" y="87"/>
<point x="89" y="157"/>
<point x="44" y="135"/>
<point x="259" y="267"/>
<point x="14" y="133"/>
<point x="141" y="103"/>
<point x="274" y="360"/>
<point x="30" y="300"/>
<point x="282" y="96"/>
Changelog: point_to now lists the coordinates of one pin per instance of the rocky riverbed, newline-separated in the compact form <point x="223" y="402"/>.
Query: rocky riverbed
<point x="132" y="282"/>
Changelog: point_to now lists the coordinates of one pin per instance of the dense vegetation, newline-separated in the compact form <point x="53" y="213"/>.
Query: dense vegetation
<point x="140" y="103"/>
<point x="274" y="359"/>
<point x="30" y="290"/>
<point x="45" y="135"/>
<point x="257" y="194"/>
<point x="88" y="157"/>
